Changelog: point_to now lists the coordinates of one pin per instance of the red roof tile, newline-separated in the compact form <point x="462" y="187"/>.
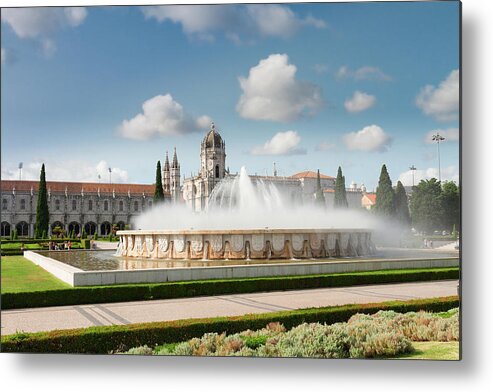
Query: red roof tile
<point x="77" y="187"/>
<point x="311" y="174"/>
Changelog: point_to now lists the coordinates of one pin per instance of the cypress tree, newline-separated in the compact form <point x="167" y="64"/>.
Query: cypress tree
<point x="340" y="199"/>
<point x="42" y="213"/>
<point x="319" y="194"/>
<point x="385" y="203"/>
<point x="401" y="205"/>
<point x="158" y="192"/>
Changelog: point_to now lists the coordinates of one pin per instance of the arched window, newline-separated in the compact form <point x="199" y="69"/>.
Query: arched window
<point x="217" y="171"/>
<point x="74" y="205"/>
<point x="22" y="229"/>
<point x="57" y="204"/>
<point x="136" y="206"/>
<point x="5" y="228"/>
<point x="89" y="205"/>
<point x="105" y="228"/>
<point x="121" y="225"/>
<point x="74" y="227"/>
<point x="120" y="205"/>
<point x="106" y="204"/>
<point x="90" y="228"/>
<point x="4" y="204"/>
<point x="23" y="204"/>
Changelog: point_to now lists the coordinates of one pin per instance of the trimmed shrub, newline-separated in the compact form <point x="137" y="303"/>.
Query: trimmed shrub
<point x="85" y="243"/>
<point x="139" y="292"/>
<point x="99" y="340"/>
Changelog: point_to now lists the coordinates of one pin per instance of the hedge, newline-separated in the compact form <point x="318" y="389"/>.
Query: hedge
<point x="140" y="292"/>
<point x="107" y="339"/>
<point x="38" y="240"/>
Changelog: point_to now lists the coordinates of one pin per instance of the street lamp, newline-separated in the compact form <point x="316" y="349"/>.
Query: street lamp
<point x="20" y="170"/>
<point x="438" y="138"/>
<point x="413" y="169"/>
<point x="109" y="169"/>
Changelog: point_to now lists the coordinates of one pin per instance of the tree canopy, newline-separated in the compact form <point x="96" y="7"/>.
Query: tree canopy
<point x="158" y="192"/>
<point x="385" y="198"/>
<point x="42" y="212"/>
<point x="340" y="199"/>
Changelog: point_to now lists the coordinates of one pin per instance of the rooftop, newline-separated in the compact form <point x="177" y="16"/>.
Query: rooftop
<point x="78" y="187"/>
<point x="311" y="174"/>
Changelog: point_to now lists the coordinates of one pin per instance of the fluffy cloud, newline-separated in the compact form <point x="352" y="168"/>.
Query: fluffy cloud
<point x="442" y="102"/>
<point x="370" y="138"/>
<point x="235" y="21"/>
<point x="161" y="115"/>
<point x="359" y="102"/>
<point x="450" y="173"/>
<point x="271" y="92"/>
<point x="283" y="143"/>
<point x="40" y="23"/>
<point x="450" y="135"/>
<point x="363" y="73"/>
<point x="72" y="170"/>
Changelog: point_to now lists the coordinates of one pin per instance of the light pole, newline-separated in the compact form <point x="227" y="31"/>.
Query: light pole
<point x="438" y="138"/>
<point x="109" y="169"/>
<point x="413" y="169"/>
<point x="20" y="170"/>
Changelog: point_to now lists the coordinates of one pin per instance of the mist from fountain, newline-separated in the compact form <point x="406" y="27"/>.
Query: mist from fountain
<point x="239" y="203"/>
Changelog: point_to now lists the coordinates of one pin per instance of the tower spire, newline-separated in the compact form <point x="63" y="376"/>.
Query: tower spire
<point x="166" y="162"/>
<point x="175" y="160"/>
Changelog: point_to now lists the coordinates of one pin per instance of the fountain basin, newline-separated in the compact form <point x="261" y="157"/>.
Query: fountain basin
<point x="245" y="244"/>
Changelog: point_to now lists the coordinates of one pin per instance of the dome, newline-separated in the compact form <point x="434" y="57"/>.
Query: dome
<point x="213" y="138"/>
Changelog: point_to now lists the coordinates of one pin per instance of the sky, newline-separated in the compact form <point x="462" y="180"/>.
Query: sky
<point x="307" y="86"/>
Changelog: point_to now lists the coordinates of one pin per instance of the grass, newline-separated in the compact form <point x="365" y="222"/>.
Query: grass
<point x="445" y="351"/>
<point x="21" y="275"/>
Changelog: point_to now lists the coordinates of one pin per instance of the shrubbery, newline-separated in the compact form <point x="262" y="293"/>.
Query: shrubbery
<point x="384" y="334"/>
<point x="139" y="292"/>
<point x="122" y="337"/>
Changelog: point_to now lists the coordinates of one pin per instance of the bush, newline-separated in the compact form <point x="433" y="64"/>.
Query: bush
<point x="98" y="340"/>
<point x="85" y="244"/>
<point x="139" y="292"/>
<point x="95" y="236"/>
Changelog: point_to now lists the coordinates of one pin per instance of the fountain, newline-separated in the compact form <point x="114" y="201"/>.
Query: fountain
<point x="244" y="221"/>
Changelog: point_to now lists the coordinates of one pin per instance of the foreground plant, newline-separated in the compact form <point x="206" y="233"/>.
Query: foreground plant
<point x="383" y="334"/>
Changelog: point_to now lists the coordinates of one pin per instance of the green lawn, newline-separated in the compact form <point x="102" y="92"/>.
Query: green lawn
<point x="21" y="275"/>
<point x="434" y="350"/>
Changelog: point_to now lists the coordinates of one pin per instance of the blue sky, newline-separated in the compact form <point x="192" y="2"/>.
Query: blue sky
<point x="308" y="86"/>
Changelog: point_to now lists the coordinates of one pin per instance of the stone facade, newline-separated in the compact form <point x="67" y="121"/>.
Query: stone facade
<point x="72" y="206"/>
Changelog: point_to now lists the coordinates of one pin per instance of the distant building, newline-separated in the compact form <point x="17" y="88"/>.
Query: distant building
<point x="73" y="206"/>
<point x="368" y="200"/>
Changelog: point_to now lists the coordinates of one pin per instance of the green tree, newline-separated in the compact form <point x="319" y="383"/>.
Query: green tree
<point x="402" y="206"/>
<point x="385" y="199"/>
<point x="42" y="212"/>
<point x="426" y="206"/>
<point x="158" y="192"/>
<point x="319" y="193"/>
<point x="450" y="199"/>
<point x="340" y="199"/>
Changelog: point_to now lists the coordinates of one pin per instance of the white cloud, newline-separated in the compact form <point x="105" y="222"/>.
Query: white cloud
<point x="40" y="23"/>
<point x="450" y="173"/>
<point x="71" y="170"/>
<point x="363" y="73"/>
<point x="442" y="102"/>
<point x="234" y="21"/>
<point x="359" y="102"/>
<point x="161" y="115"/>
<point x="325" y="146"/>
<point x="370" y="138"/>
<point x="271" y="92"/>
<point x="450" y="135"/>
<point x="282" y="143"/>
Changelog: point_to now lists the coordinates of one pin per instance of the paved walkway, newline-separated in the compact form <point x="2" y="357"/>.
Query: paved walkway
<point x="65" y="317"/>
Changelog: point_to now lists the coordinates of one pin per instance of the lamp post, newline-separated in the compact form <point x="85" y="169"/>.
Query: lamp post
<point x="109" y="169"/>
<point x="413" y="169"/>
<point x="20" y="170"/>
<point x="438" y="138"/>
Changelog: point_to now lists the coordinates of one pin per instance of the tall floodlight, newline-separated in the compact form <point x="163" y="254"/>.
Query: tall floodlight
<point x="109" y="169"/>
<point x="20" y="170"/>
<point x="438" y="138"/>
<point x="413" y="170"/>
